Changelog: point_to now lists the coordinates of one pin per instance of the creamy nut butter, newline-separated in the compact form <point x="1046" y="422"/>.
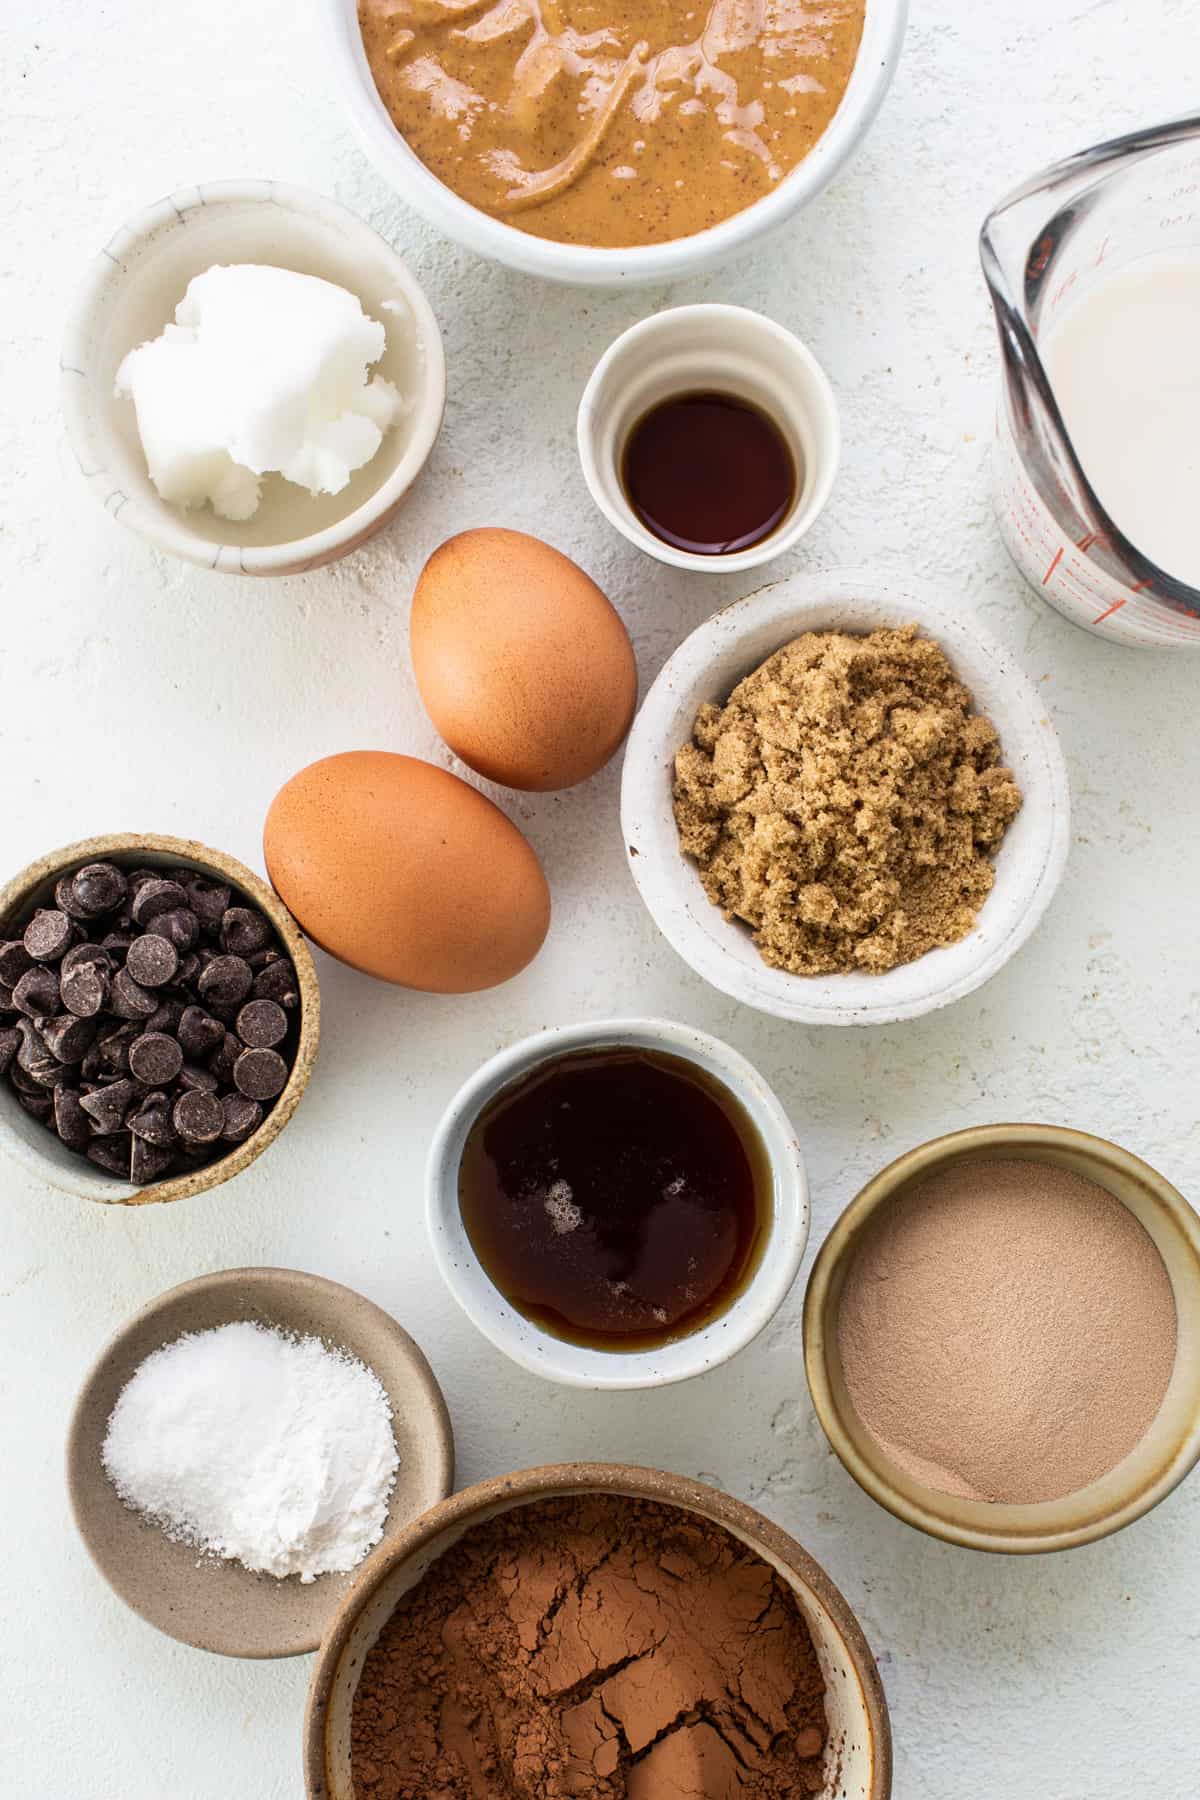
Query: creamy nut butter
<point x="611" y="122"/>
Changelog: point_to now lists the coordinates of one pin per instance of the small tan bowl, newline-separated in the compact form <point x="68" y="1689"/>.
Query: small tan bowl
<point x="221" y="1606"/>
<point x="31" y="1142"/>
<point x="859" y="1750"/>
<point x="1169" y="1449"/>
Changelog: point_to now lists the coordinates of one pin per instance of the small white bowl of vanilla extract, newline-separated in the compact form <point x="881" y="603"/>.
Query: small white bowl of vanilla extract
<point x="618" y="1205"/>
<point x="709" y="437"/>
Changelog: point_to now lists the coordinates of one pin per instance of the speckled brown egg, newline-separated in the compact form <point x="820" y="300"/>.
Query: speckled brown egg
<point x="403" y="871"/>
<point x="523" y="664"/>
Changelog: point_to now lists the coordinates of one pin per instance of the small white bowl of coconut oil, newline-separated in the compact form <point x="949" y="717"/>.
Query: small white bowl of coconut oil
<point x="130" y="295"/>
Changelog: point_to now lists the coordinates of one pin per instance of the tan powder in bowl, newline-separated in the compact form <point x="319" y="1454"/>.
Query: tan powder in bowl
<point x="1007" y="1331"/>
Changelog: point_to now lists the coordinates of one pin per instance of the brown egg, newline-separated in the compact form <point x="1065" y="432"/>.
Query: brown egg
<point x="524" y="666"/>
<point x="403" y="871"/>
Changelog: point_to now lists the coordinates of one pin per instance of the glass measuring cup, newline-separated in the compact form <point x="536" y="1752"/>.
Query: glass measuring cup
<point x="1046" y="245"/>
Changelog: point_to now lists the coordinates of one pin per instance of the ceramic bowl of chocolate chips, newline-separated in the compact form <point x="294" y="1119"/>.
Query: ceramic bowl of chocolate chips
<point x="159" y="1018"/>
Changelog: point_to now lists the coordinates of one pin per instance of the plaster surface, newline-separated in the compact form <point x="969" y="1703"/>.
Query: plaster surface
<point x="139" y="693"/>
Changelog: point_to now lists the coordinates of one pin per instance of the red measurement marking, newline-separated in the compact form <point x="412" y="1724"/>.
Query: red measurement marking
<point x="1140" y="586"/>
<point x="1090" y="539"/>
<point x="1057" y="559"/>
<point x="1115" y="607"/>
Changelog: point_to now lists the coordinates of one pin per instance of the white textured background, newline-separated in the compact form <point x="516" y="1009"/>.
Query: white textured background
<point x="140" y="693"/>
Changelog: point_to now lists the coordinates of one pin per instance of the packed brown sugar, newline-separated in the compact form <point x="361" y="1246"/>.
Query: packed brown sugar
<point x="846" y="802"/>
<point x="592" y="1648"/>
<point x="605" y="122"/>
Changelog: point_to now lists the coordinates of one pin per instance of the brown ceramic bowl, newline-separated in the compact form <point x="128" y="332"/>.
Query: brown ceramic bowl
<point x="221" y="1606"/>
<point x="859" y="1754"/>
<point x="1170" y="1448"/>
<point x="29" y="1140"/>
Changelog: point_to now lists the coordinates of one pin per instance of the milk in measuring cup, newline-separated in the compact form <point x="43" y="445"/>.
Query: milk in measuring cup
<point x="1124" y="364"/>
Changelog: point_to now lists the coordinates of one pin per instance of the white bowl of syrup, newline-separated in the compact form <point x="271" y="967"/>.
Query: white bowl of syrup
<point x="709" y="437"/>
<point x="618" y="1205"/>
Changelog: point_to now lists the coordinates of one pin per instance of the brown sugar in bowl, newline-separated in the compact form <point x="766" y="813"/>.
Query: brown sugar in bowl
<point x="1167" y="1451"/>
<point x="28" y="1140"/>
<point x="859" y="1749"/>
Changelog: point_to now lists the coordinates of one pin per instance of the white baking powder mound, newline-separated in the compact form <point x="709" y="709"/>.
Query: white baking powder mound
<point x="265" y="1449"/>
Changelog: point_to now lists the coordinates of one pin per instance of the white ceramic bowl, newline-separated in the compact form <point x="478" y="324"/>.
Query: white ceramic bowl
<point x="713" y="348"/>
<point x="879" y="52"/>
<point x="707" y="666"/>
<point x="131" y="291"/>
<point x="574" y="1364"/>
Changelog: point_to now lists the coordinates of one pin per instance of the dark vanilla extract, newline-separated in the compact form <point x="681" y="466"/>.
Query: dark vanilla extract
<point x="709" y="473"/>
<point x="619" y="1198"/>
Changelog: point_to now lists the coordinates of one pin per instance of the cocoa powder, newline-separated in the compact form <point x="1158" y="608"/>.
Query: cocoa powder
<point x="591" y="1648"/>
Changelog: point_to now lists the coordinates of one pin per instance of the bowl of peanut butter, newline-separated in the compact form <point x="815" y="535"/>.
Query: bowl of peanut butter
<point x="602" y="142"/>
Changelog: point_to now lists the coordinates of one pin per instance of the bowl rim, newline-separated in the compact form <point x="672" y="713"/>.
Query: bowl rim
<point x="588" y="265"/>
<point x="80" y="1480"/>
<point x="794" y="604"/>
<point x="575" y="1365"/>
<point x="819" y="1330"/>
<point x="110" y="1189"/>
<point x="89" y="440"/>
<point x="630" y="1480"/>
<point x="722" y="316"/>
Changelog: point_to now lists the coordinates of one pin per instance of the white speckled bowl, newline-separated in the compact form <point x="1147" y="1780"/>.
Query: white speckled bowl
<point x="708" y="666"/>
<point x="582" y="264"/>
<point x="575" y="1365"/>
<point x="131" y="291"/>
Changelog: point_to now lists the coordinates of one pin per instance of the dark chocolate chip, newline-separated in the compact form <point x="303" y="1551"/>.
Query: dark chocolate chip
<point x="198" y="1118"/>
<point x="166" y="1017"/>
<point x="70" y="1120"/>
<point x="97" y="888"/>
<point x="39" y="1103"/>
<point x="261" y="1024"/>
<point x="260" y="1074"/>
<point x="69" y="1038"/>
<point x="24" y="1084"/>
<point x="242" y="1118"/>
<point x="84" y="989"/>
<point x="14" y="960"/>
<point x="7" y="1003"/>
<point x="111" y="1053"/>
<point x="152" y="960"/>
<point x="10" y="1038"/>
<point x="113" y="1153"/>
<point x="107" y="1106"/>
<point x="154" y="897"/>
<point x="221" y="1061"/>
<point x="188" y="970"/>
<point x="278" y="982"/>
<point x="39" y="1063"/>
<point x="64" y="897"/>
<point x="180" y="927"/>
<point x="37" y="993"/>
<point x="48" y="934"/>
<point x="224" y="981"/>
<point x="151" y="1119"/>
<point x="244" y="931"/>
<point x="81" y="955"/>
<point x="209" y="900"/>
<point x="199" y="1032"/>
<point x="118" y="941"/>
<point x="148" y="1162"/>
<point x="155" y="1058"/>
<point x="129" y="999"/>
<point x="193" y="1079"/>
